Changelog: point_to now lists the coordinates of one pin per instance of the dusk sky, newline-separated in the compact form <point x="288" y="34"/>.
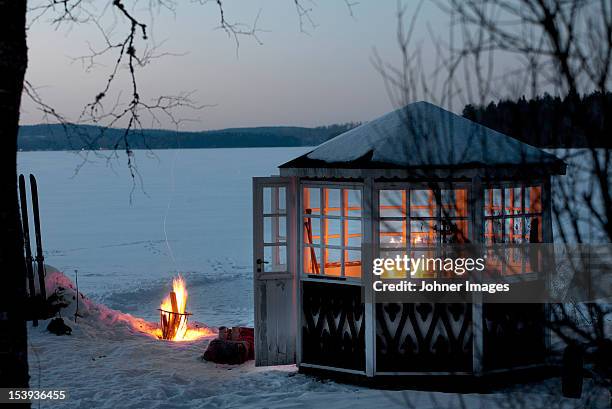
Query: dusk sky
<point x="323" y="77"/>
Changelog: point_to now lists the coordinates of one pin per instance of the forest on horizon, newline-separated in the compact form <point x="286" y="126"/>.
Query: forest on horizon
<point x="550" y="121"/>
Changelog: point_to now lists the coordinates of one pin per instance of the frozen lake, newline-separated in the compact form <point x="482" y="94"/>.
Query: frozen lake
<point x="119" y="246"/>
<point x="204" y="195"/>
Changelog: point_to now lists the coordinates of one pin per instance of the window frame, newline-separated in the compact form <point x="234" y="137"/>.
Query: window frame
<point x="512" y="184"/>
<point x="408" y="187"/>
<point x="274" y="216"/>
<point x="322" y="246"/>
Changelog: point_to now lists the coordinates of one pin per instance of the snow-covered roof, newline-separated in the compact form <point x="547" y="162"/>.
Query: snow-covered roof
<point x="423" y="135"/>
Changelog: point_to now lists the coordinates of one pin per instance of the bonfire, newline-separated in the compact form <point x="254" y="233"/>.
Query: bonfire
<point x="174" y="316"/>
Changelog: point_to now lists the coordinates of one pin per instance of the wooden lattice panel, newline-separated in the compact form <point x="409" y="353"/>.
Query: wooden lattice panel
<point x="333" y="325"/>
<point x="423" y="337"/>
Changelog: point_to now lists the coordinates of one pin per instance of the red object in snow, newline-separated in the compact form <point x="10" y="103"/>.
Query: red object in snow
<point x="232" y="346"/>
<point x="244" y="334"/>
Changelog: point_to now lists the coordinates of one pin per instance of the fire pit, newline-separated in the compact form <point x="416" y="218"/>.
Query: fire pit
<point x="172" y="315"/>
<point x="173" y="324"/>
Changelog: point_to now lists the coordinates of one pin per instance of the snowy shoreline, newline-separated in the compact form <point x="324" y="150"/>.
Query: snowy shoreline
<point x="108" y="363"/>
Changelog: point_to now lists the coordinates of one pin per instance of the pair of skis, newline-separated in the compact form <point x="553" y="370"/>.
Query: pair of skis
<point x="40" y="265"/>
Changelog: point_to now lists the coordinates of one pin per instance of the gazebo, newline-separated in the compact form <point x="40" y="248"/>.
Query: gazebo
<point x="406" y="183"/>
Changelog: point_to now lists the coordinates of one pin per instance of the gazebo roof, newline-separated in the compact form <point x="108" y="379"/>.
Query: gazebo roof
<point x="423" y="135"/>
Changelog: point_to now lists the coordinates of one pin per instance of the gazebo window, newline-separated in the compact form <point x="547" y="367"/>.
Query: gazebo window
<point x="418" y="221"/>
<point x="275" y="229"/>
<point x="512" y="219"/>
<point x="332" y="231"/>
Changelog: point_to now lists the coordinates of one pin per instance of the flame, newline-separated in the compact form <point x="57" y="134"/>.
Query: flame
<point x="191" y="334"/>
<point x="183" y="332"/>
<point x="180" y="289"/>
<point x="152" y="329"/>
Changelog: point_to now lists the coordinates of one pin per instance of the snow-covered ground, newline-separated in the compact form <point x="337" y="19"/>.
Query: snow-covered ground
<point x="108" y="362"/>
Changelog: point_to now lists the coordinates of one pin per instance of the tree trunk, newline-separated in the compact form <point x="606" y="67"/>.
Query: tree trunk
<point x="13" y="330"/>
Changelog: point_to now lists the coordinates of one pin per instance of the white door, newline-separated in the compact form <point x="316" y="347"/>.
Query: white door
<point x="273" y="261"/>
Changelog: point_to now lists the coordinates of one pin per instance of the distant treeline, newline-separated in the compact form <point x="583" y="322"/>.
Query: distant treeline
<point x="75" y="137"/>
<point x="551" y="122"/>
<point x="546" y="121"/>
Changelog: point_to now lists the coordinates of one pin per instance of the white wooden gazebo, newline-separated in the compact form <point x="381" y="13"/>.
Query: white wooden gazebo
<point x="407" y="182"/>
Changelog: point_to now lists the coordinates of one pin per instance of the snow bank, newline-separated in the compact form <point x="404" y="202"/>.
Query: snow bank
<point x="97" y="320"/>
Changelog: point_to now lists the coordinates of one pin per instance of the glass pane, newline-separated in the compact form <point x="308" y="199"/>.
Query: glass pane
<point x="275" y="229"/>
<point x="353" y="232"/>
<point x="282" y="199"/>
<point x="454" y="202"/>
<point x="493" y="231"/>
<point x="332" y="231"/>
<point x="423" y="233"/>
<point x="533" y="199"/>
<point x="422" y="203"/>
<point x="392" y="233"/>
<point x="353" y="200"/>
<point x="454" y="231"/>
<point x="493" y="202"/>
<point x="333" y="262"/>
<point x="352" y="263"/>
<point x="275" y="258"/>
<point x="394" y="271"/>
<point x="312" y="230"/>
<point x="514" y="260"/>
<point x="274" y="200"/>
<point x="533" y="258"/>
<point x="493" y="261"/>
<point x="513" y="230"/>
<point x="392" y="203"/>
<point x="512" y="200"/>
<point x="312" y="260"/>
<point x="311" y="200"/>
<point x="332" y="202"/>
<point x="533" y="229"/>
<point x="428" y="265"/>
